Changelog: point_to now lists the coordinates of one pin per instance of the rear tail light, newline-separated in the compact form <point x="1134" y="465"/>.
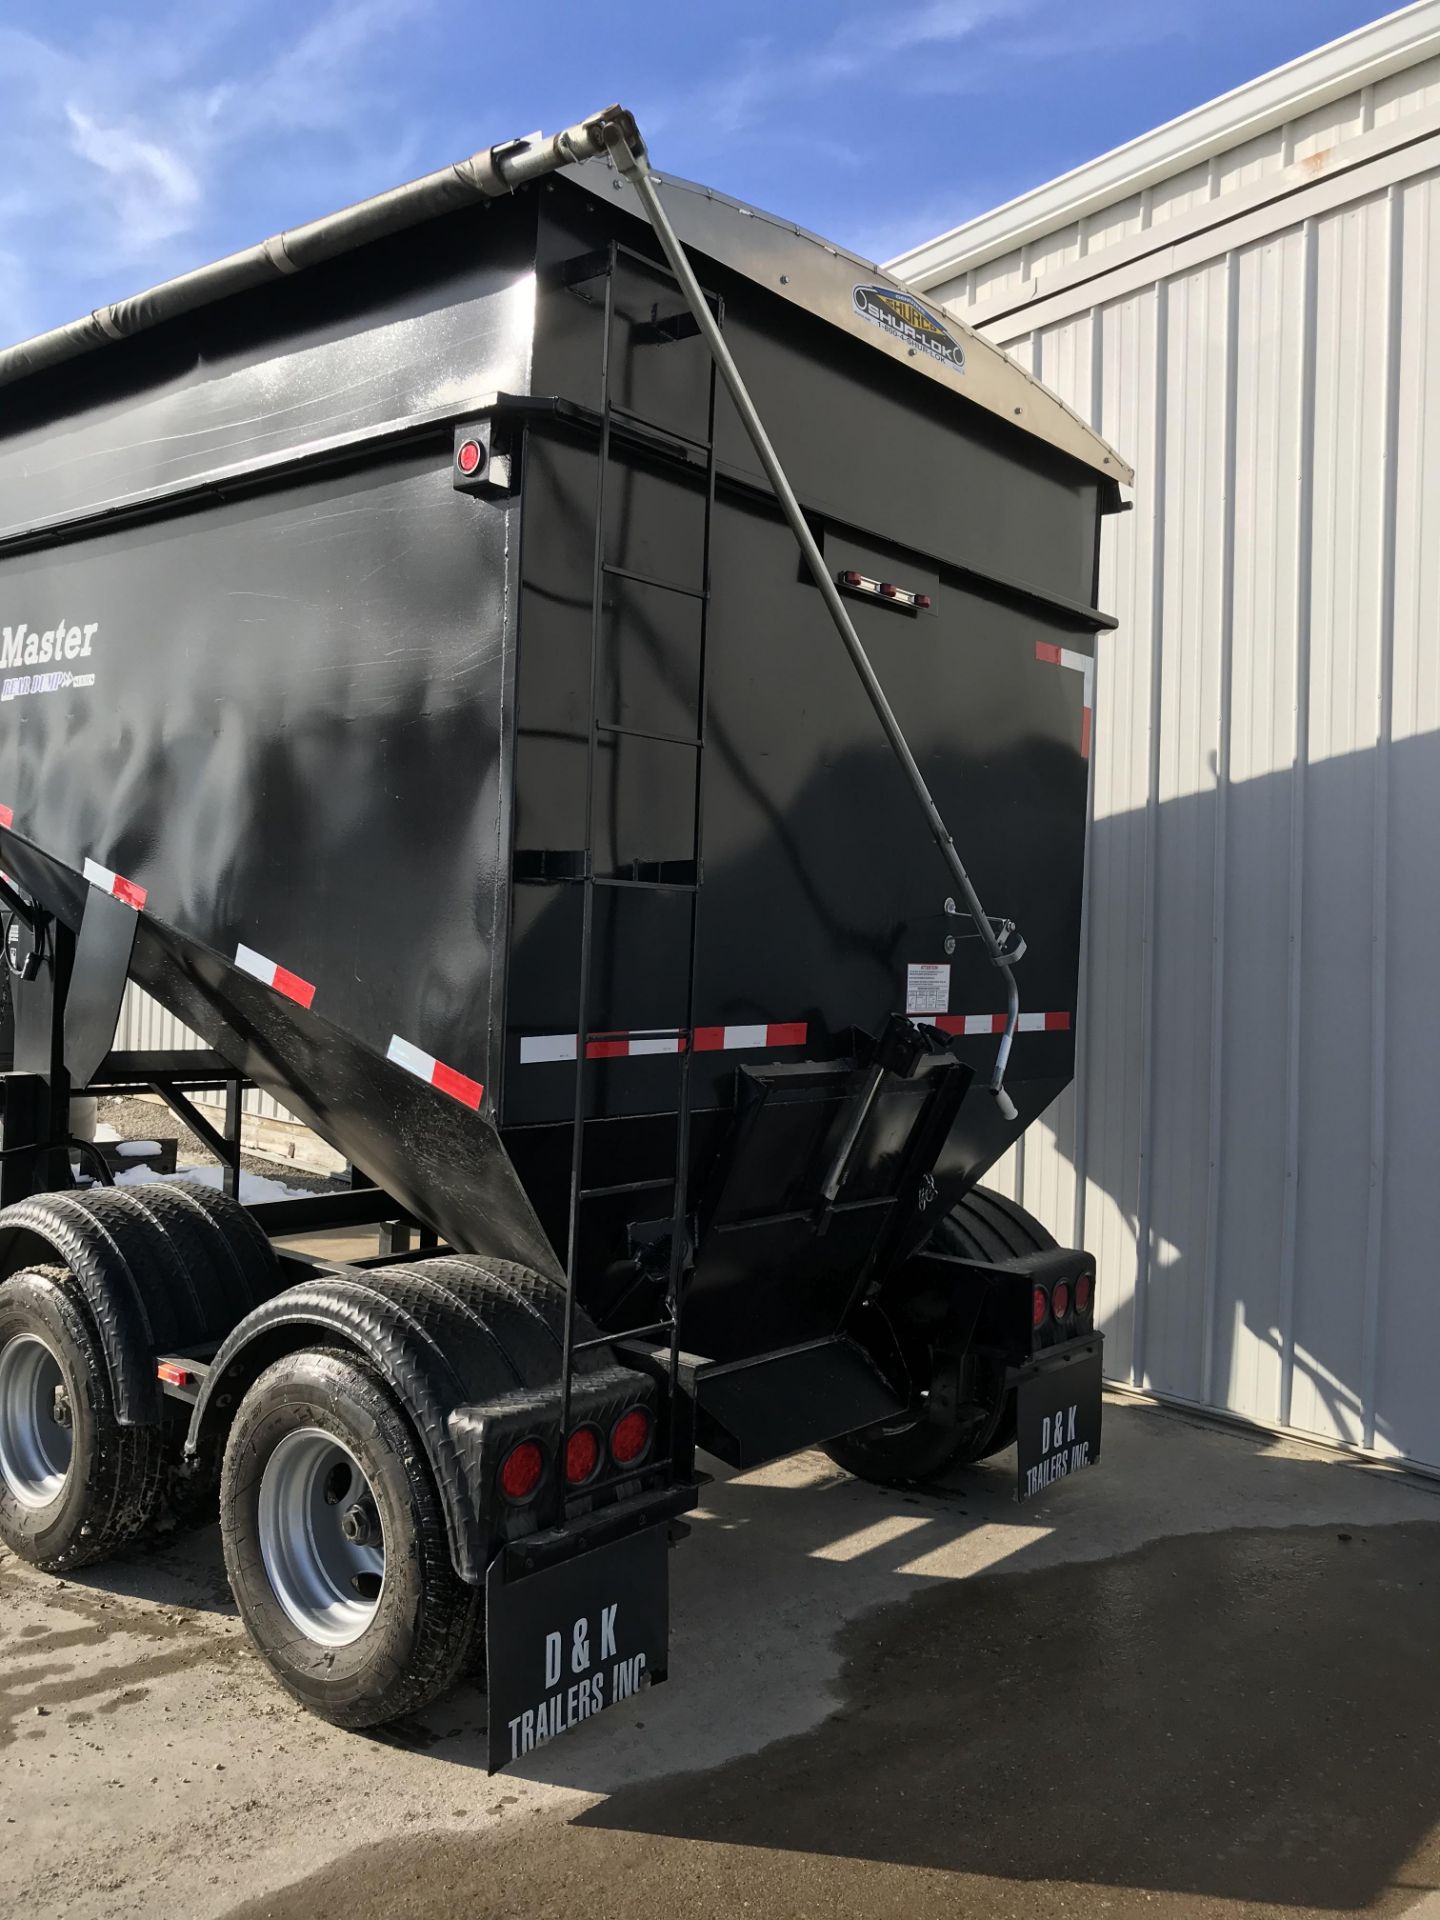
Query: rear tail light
<point x="1060" y="1299"/>
<point x="1084" y="1292"/>
<point x="630" y="1437"/>
<point x="582" y="1456"/>
<point x="521" y="1472"/>
<point x="1039" y="1307"/>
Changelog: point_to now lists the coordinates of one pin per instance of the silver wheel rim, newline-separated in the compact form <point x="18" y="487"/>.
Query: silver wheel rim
<point x="320" y="1537"/>
<point x="35" y="1449"/>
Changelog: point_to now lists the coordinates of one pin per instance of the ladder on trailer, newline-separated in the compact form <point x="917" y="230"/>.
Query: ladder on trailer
<point x="682" y="878"/>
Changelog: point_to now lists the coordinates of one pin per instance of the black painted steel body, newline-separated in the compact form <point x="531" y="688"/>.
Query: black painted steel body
<point x="328" y="706"/>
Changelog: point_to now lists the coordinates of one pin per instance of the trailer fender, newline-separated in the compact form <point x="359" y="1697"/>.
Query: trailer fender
<point x="439" y="1334"/>
<point x="160" y="1268"/>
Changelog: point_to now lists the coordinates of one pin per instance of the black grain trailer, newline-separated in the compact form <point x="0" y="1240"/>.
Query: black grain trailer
<point x="425" y="677"/>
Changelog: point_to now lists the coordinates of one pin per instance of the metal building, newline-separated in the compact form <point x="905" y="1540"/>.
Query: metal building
<point x="1245" y="302"/>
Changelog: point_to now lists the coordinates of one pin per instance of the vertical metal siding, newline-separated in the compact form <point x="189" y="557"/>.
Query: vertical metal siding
<point x="1404" y="1370"/>
<point x="1250" y="1148"/>
<point x="144" y="1023"/>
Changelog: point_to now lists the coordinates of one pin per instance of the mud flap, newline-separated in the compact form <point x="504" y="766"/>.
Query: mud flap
<point x="1058" y="1403"/>
<point x="565" y="1643"/>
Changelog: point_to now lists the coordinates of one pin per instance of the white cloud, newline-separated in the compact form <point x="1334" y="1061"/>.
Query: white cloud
<point x="152" y="190"/>
<point x="938" y="46"/>
<point x="120" y="146"/>
<point x="766" y="77"/>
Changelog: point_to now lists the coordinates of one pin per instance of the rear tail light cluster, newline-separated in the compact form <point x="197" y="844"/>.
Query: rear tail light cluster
<point x="628" y="1445"/>
<point x="1061" y="1303"/>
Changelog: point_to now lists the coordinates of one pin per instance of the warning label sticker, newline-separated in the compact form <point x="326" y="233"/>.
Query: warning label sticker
<point x="927" y="988"/>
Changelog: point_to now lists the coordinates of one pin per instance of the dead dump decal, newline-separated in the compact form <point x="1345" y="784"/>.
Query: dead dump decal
<point x="905" y="319"/>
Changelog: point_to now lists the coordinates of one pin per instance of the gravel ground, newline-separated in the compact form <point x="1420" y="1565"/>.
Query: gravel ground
<point x="150" y="1120"/>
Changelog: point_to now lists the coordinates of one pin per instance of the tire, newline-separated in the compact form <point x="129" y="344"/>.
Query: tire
<point x="909" y="1451"/>
<point x="308" y="1425"/>
<point x="239" y="1248"/>
<point x="68" y="1495"/>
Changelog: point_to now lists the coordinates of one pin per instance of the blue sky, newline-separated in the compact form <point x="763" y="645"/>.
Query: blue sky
<point x="144" y="138"/>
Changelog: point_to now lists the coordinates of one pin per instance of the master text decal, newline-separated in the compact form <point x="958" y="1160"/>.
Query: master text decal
<point x="22" y="647"/>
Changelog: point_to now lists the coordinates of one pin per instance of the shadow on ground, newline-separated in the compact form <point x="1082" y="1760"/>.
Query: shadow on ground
<point x="1249" y="1716"/>
<point x="1228" y="1721"/>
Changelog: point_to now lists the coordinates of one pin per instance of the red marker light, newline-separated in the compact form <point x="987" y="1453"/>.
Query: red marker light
<point x="1039" y="1308"/>
<point x="888" y="591"/>
<point x="852" y="579"/>
<point x="469" y="457"/>
<point x="630" y="1437"/>
<point x="582" y="1456"/>
<point x="174" y="1376"/>
<point x="922" y="600"/>
<point x="520" y="1471"/>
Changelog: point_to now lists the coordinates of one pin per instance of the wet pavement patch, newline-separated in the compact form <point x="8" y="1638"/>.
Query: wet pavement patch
<point x="42" y="1671"/>
<point x="1211" y="1724"/>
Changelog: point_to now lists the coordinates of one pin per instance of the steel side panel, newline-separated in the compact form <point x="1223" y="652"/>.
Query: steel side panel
<point x="293" y="737"/>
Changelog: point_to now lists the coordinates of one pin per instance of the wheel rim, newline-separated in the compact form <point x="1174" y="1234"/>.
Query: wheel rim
<point x="35" y="1447"/>
<point x="321" y="1538"/>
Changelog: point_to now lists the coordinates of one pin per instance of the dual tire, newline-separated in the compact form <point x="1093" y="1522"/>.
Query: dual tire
<point x="75" y="1484"/>
<point x="916" y="1448"/>
<point x="335" y="1544"/>
<point x="333" y="1531"/>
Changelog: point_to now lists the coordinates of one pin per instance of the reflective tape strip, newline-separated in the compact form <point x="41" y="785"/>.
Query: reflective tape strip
<point x="539" y="1047"/>
<point x="274" y="975"/>
<point x="728" y="1039"/>
<point x="599" y="1046"/>
<point x="7" y="818"/>
<point x="115" y="883"/>
<point x="777" y="1033"/>
<point x="655" y="1043"/>
<point x="973" y="1023"/>
<point x="548" y="1046"/>
<point x="434" y="1072"/>
<point x="1078" y="663"/>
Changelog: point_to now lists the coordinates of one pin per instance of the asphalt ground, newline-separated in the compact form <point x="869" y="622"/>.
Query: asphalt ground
<point x="1203" y="1679"/>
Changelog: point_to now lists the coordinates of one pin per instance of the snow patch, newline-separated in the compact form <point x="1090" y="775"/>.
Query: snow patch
<point x="253" y="1186"/>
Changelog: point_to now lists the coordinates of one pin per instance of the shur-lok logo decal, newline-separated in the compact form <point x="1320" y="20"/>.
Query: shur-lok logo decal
<point x="905" y="319"/>
<point x="60" y="643"/>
